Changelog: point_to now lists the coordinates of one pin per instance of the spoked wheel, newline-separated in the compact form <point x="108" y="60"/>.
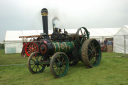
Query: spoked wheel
<point x="59" y="64"/>
<point x="91" y="53"/>
<point x="81" y="35"/>
<point x="30" y="48"/>
<point x="34" y="63"/>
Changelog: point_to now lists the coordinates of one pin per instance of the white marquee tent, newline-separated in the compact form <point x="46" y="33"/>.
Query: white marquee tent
<point x="120" y="44"/>
<point x="13" y="44"/>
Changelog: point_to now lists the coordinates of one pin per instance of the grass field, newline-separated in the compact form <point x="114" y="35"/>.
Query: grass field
<point x="111" y="71"/>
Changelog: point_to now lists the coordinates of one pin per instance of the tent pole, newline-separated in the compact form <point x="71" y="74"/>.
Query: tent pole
<point x="124" y="45"/>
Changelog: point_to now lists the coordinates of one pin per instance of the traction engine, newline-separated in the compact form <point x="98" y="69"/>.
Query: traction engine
<point x="62" y="49"/>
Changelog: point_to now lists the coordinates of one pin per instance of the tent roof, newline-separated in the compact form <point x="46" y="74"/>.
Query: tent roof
<point x="123" y="30"/>
<point x="103" y="31"/>
<point x="94" y="32"/>
<point x="12" y="35"/>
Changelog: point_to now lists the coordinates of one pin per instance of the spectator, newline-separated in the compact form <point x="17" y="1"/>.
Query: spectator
<point x="99" y="41"/>
<point x="105" y="42"/>
<point x="109" y="42"/>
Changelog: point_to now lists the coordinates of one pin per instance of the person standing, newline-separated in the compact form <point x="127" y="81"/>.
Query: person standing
<point x="105" y="42"/>
<point x="109" y="42"/>
<point x="99" y="41"/>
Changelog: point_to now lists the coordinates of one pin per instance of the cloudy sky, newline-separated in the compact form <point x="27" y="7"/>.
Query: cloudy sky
<point x="25" y="14"/>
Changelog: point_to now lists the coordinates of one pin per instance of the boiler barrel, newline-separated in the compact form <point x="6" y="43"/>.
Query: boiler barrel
<point x="66" y="47"/>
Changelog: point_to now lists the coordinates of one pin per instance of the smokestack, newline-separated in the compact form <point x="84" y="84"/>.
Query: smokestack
<point x="55" y="23"/>
<point x="44" y="13"/>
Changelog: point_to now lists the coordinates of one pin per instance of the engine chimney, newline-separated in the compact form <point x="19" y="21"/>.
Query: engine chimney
<point x="44" y="13"/>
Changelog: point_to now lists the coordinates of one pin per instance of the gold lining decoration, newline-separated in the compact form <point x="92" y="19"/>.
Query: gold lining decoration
<point x="73" y="44"/>
<point x="66" y="47"/>
<point x="58" y="46"/>
<point x="62" y="46"/>
<point x="54" y="46"/>
<point x="44" y="14"/>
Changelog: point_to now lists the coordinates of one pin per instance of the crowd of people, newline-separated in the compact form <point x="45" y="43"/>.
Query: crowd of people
<point x="106" y="42"/>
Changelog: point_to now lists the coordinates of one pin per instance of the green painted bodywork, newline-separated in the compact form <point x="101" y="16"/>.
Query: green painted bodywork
<point x="66" y="47"/>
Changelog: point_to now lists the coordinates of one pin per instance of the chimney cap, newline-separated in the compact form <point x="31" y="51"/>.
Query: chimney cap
<point x="44" y="10"/>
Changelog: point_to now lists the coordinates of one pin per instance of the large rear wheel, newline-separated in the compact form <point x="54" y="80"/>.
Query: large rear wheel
<point x="91" y="53"/>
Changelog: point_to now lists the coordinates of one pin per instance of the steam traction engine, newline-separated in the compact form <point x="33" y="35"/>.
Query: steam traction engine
<point x="61" y="50"/>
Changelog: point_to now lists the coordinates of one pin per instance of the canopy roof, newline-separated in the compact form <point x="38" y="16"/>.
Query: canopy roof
<point x="94" y="32"/>
<point x="98" y="31"/>
<point x="123" y="30"/>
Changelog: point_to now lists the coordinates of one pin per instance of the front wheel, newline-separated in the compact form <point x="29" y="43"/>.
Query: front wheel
<point x="34" y="63"/>
<point x="59" y="64"/>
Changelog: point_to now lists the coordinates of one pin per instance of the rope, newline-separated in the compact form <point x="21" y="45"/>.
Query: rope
<point x="12" y="65"/>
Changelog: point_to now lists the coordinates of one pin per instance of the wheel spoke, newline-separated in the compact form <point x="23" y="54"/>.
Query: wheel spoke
<point x="33" y="67"/>
<point x="59" y="71"/>
<point x="28" y="51"/>
<point x="38" y="68"/>
<point x="81" y="40"/>
<point x="93" y="44"/>
<point x="36" y="57"/>
<point x="32" y="45"/>
<point x="58" y="59"/>
<point x="82" y="33"/>
<point x="62" y="60"/>
<point x="90" y="46"/>
<point x="33" y="60"/>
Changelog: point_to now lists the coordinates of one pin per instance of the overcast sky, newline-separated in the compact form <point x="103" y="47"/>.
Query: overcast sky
<point x="72" y="14"/>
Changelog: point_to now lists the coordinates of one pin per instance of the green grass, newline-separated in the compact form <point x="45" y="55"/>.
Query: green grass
<point x="111" y="71"/>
